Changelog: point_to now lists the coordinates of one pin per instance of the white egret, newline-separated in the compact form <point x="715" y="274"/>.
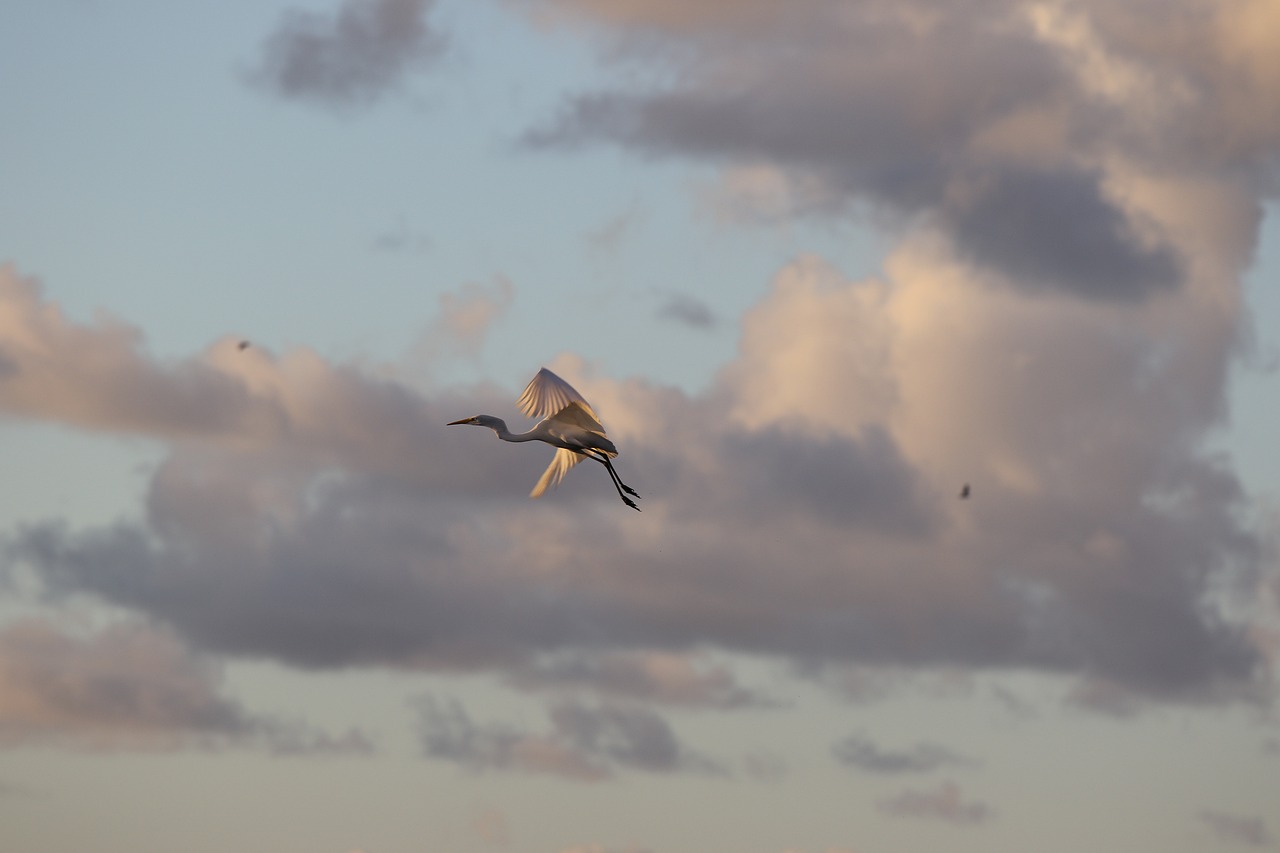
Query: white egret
<point x="568" y="424"/>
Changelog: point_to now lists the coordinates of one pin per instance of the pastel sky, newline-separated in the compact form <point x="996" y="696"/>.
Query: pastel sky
<point x="816" y="265"/>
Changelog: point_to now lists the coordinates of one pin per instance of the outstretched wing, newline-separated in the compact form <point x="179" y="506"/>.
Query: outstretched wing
<point x="561" y="464"/>
<point x="547" y="394"/>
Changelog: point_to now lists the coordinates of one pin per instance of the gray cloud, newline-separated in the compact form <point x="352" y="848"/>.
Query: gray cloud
<point x="859" y="482"/>
<point x="352" y="58"/>
<point x="627" y="735"/>
<point x="947" y="803"/>
<point x="1011" y="128"/>
<point x="1058" y="230"/>
<point x="331" y="519"/>
<point x="862" y="753"/>
<point x="130" y="685"/>
<point x="687" y="310"/>
<point x="585" y="742"/>
<point x="652" y="676"/>
<point x="1248" y="830"/>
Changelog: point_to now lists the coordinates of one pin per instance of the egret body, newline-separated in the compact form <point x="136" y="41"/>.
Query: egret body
<point x="568" y="424"/>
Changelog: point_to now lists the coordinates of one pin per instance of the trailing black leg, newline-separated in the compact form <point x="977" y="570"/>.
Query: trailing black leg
<point x="617" y="483"/>
<point x="618" y="479"/>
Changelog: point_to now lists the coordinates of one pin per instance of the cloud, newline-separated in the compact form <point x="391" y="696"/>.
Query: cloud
<point x="860" y="752"/>
<point x="22" y="792"/>
<point x="607" y="239"/>
<point x="764" y="766"/>
<point x="1058" y="230"/>
<point x="466" y="317"/>
<point x="111" y="385"/>
<point x="293" y="738"/>
<point x="653" y="676"/>
<point x="401" y="238"/>
<point x="128" y="685"/>
<point x="627" y="735"/>
<point x="687" y="310"/>
<point x="586" y="742"/>
<point x="803" y="505"/>
<point x="1018" y="130"/>
<point x="448" y="733"/>
<point x="762" y="194"/>
<point x="352" y="58"/>
<point x="1241" y="829"/>
<point x="126" y="682"/>
<point x="1107" y="697"/>
<point x="490" y="826"/>
<point x="233" y="403"/>
<point x="946" y="803"/>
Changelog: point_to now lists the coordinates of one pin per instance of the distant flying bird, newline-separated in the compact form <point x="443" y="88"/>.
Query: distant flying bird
<point x="243" y="345"/>
<point x="568" y="424"/>
<point x="964" y="492"/>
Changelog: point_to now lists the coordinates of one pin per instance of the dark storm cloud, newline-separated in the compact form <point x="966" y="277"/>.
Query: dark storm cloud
<point x="351" y="58"/>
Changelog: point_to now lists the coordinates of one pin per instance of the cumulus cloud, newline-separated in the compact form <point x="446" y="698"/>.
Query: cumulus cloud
<point x="1020" y="131"/>
<point x="802" y="506"/>
<point x="129" y="685"/>
<point x="352" y="57"/>
<point x="586" y="742"/>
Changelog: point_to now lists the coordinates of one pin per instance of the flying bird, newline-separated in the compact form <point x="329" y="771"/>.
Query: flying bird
<point x="568" y="424"/>
<point x="242" y="346"/>
<point x="964" y="492"/>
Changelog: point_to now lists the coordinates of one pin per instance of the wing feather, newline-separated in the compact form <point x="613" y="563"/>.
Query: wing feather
<point x="576" y="425"/>
<point x="547" y="394"/>
<point x="579" y="415"/>
<point x="561" y="464"/>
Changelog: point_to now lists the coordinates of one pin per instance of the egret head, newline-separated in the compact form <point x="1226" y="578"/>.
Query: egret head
<point x="480" y="420"/>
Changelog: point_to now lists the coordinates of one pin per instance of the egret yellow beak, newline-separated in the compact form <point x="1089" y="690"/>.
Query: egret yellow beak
<point x="463" y="421"/>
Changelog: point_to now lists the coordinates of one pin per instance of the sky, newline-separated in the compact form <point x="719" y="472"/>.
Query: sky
<point x="816" y="265"/>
